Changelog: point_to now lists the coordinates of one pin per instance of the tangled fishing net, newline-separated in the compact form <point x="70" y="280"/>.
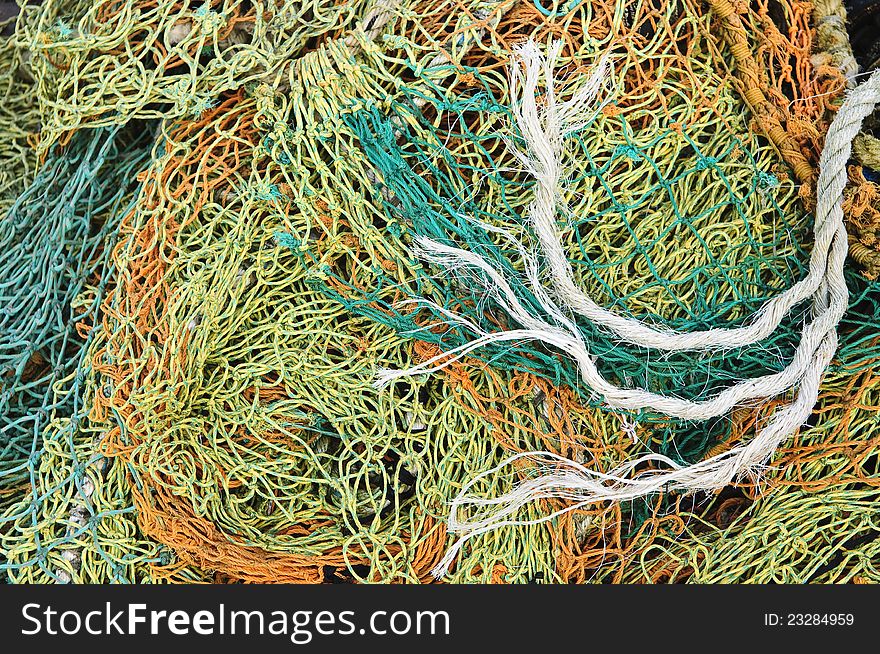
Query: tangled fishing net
<point x="373" y="291"/>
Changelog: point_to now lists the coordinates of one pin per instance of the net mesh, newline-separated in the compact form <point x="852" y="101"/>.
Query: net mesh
<point x="206" y="303"/>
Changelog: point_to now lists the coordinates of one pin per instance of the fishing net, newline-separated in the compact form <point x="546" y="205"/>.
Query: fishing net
<point x="813" y="521"/>
<point x="301" y="483"/>
<point x="212" y="261"/>
<point x="104" y="63"/>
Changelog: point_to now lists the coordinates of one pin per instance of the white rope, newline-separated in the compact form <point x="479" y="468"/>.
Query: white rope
<point x="543" y="130"/>
<point x="566" y="337"/>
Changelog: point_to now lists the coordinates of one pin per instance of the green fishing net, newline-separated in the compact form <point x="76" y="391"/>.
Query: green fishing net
<point x="55" y="242"/>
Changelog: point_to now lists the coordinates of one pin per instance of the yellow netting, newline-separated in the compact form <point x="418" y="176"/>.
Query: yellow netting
<point x="222" y="423"/>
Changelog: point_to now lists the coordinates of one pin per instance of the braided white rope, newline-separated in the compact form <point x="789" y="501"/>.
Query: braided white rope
<point x="565" y="479"/>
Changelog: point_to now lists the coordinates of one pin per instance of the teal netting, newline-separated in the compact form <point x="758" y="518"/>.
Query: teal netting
<point x="54" y="251"/>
